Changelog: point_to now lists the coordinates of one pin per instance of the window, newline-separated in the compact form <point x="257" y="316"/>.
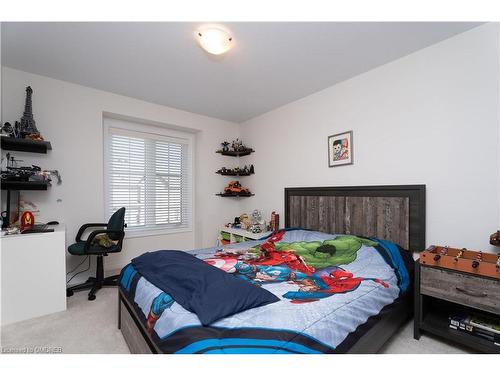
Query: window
<point x="148" y="171"/>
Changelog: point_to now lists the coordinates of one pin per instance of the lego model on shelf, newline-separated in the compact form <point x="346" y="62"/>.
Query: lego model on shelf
<point x="234" y="189"/>
<point x="245" y="171"/>
<point x="24" y="135"/>
<point x="236" y="149"/>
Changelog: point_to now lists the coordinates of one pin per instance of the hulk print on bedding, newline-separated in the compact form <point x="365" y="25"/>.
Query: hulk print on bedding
<point x="335" y="252"/>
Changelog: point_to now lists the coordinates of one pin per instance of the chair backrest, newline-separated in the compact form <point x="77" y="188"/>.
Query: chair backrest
<point x="116" y="222"/>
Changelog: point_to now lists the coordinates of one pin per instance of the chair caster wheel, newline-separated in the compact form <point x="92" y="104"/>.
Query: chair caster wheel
<point x="69" y="293"/>
<point x="91" y="297"/>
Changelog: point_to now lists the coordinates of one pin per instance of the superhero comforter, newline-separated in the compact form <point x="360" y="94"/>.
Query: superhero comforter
<point x="329" y="286"/>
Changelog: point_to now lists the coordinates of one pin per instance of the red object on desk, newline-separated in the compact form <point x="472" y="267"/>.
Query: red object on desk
<point x="27" y="220"/>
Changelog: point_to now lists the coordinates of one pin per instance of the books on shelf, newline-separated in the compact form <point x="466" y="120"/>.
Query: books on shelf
<point x="479" y="325"/>
<point x="486" y="323"/>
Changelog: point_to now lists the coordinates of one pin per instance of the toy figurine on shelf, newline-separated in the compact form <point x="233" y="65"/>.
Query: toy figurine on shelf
<point x="237" y="145"/>
<point x="225" y="146"/>
<point x="258" y="224"/>
<point x="245" y="221"/>
<point x="10" y="130"/>
<point x="237" y="222"/>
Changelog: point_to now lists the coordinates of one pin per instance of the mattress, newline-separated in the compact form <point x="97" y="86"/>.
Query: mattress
<point x="331" y="289"/>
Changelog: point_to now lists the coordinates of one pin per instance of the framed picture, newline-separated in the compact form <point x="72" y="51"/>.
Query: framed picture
<point x="340" y="149"/>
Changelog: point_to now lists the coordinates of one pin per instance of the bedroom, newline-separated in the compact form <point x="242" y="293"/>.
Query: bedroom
<point x="360" y="136"/>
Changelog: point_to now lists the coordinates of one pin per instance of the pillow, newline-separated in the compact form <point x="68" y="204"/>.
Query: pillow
<point x="205" y="290"/>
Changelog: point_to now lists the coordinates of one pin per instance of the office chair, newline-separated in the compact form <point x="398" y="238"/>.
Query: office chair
<point x="114" y="229"/>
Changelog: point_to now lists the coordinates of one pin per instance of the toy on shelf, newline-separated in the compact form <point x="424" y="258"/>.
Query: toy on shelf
<point x="26" y="128"/>
<point x="237" y="148"/>
<point x="274" y="224"/>
<point x="244" y="221"/>
<point x="33" y="173"/>
<point x="225" y="146"/>
<point x="234" y="189"/>
<point x="258" y="224"/>
<point x="237" y="171"/>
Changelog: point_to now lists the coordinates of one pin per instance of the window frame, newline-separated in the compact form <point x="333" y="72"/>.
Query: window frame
<point x="137" y="126"/>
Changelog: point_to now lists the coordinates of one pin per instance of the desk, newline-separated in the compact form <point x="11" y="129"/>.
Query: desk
<point x="33" y="277"/>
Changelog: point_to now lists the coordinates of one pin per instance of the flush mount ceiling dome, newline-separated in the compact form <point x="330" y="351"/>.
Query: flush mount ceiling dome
<point x="214" y="40"/>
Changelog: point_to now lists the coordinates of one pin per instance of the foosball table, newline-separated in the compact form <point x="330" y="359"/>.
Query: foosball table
<point x="462" y="260"/>
<point x="451" y="281"/>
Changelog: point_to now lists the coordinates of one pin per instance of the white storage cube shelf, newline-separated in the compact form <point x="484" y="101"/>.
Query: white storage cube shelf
<point x="236" y="235"/>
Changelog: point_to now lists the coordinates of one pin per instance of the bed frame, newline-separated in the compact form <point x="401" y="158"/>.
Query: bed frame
<point x="395" y="212"/>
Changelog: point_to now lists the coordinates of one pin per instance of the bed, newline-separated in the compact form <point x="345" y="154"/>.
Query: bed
<point x="361" y="296"/>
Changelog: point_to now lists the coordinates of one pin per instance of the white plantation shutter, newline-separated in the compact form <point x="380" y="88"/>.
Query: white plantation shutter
<point x="149" y="174"/>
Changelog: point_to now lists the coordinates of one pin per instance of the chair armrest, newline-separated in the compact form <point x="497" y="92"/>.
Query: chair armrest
<point x="84" y="227"/>
<point x="94" y="233"/>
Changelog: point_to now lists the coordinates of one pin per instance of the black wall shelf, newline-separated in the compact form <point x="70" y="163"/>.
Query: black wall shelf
<point x="25" y="145"/>
<point x="235" y="194"/>
<point x="24" y="185"/>
<point x="234" y="174"/>
<point x="235" y="153"/>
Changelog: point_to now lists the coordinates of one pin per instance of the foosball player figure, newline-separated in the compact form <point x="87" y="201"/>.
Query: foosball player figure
<point x="460" y="254"/>
<point x="478" y="260"/>
<point x="497" y="265"/>
<point x="443" y="252"/>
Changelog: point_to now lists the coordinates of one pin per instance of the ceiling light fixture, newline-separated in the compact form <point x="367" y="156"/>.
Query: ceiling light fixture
<point x="215" y="40"/>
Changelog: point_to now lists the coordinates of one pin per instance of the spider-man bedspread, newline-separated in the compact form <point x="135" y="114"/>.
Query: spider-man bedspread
<point x="327" y="287"/>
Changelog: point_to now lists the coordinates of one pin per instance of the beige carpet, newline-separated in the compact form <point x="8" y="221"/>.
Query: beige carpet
<point x="91" y="327"/>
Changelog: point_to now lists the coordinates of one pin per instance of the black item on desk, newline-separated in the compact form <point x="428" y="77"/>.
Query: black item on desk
<point x="37" y="228"/>
<point x="55" y="222"/>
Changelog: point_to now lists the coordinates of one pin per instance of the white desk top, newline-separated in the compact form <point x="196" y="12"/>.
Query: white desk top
<point x="57" y="229"/>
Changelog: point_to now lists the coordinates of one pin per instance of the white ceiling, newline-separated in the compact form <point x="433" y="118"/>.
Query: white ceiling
<point x="271" y="64"/>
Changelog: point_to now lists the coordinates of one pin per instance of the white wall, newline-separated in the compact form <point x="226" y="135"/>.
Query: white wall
<point x="429" y="118"/>
<point x="70" y="117"/>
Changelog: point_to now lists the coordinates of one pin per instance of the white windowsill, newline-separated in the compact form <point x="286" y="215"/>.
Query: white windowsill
<point x="159" y="232"/>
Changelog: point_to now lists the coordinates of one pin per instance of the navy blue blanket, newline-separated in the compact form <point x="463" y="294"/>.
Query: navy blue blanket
<point x="205" y="290"/>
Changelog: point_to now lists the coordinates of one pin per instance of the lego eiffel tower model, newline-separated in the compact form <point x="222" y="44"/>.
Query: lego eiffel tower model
<point x="28" y="126"/>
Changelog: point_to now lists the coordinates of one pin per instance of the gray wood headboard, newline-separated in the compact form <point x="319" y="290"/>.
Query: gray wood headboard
<point x="395" y="212"/>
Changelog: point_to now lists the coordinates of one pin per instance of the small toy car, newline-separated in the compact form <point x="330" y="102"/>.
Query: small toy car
<point x="234" y="187"/>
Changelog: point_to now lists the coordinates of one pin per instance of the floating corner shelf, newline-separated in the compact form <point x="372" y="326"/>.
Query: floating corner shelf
<point x="236" y="195"/>
<point x="235" y="153"/>
<point x="24" y="185"/>
<point x="25" y="145"/>
<point x="235" y="174"/>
